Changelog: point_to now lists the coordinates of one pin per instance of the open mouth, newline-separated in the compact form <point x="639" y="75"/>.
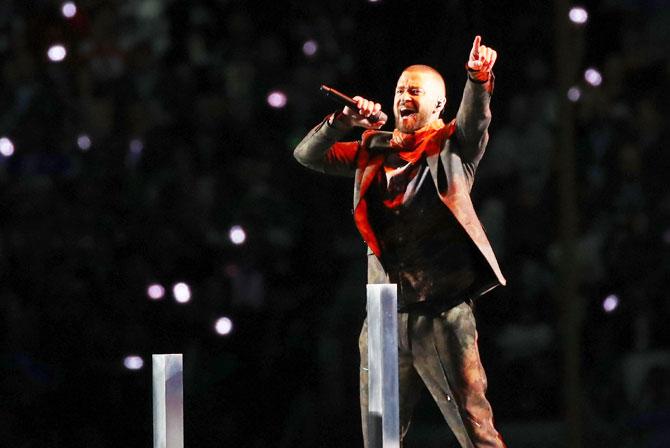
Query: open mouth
<point x="407" y="113"/>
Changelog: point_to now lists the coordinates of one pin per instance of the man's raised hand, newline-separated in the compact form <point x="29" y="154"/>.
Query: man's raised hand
<point x="366" y="108"/>
<point x="481" y="61"/>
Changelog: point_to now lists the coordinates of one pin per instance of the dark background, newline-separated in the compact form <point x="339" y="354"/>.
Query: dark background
<point x="172" y="95"/>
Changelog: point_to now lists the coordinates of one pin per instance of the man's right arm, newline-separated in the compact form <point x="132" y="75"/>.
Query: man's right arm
<point x="320" y="149"/>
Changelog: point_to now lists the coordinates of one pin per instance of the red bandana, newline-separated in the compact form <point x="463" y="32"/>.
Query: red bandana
<point x="413" y="146"/>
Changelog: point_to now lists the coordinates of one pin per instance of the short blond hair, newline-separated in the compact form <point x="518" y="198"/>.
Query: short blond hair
<point x="430" y="70"/>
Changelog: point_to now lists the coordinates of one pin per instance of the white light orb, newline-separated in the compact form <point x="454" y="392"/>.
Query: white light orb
<point x="6" y="147"/>
<point x="237" y="235"/>
<point x="155" y="291"/>
<point x="69" y="9"/>
<point x="223" y="326"/>
<point x="610" y="303"/>
<point x="133" y="362"/>
<point x="578" y="15"/>
<point x="56" y="53"/>
<point x="181" y="292"/>
<point x="277" y="99"/>
<point x="593" y="77"/>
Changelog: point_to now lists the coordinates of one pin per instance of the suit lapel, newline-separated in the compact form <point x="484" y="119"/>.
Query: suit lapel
<point x="457" y="199"/>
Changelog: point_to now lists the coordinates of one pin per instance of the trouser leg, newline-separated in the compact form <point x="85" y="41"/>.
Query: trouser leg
<point x="446" y="357"/>
<point x="408" y="380"/>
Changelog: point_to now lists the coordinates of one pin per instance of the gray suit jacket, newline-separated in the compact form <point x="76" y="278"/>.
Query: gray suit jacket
<point x="452" y="170"/>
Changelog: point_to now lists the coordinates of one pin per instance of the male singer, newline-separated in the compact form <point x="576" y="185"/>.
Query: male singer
<point x="413" y="209"/>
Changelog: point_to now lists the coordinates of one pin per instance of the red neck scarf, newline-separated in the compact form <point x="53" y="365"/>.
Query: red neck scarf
<point x="400" y="166"/>
<point x="409" y="147"/>
<point x="412" y="146"/>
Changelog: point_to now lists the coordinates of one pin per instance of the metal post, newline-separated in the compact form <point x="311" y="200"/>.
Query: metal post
<point x="168" y="399"/>
<point x="383" y="405"/>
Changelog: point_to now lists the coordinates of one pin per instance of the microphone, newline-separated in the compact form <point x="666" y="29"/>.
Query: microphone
<point x="347" y="101"/>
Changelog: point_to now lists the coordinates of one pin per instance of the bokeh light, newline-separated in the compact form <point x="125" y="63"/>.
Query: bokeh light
<point x="277" y="99"/>
<point x="181" y="292"/>
<point x="56" y="53"/>
<point x="155" y="291"/>
<point x="237" y="235"/>
<point x="133" y="362"/>
<point x="593" y="77"/>
<point x="69" y="9"/>
<point x="610" y="303"/>
<point x="84" y="142"/>
<point x="574" y="94"/>
<point x="136" y="146"/>
<point x="310" y="47"/>
<point x="223" y="326"/>
<point x="6" y="147"/>
<point x="578" y="15"/>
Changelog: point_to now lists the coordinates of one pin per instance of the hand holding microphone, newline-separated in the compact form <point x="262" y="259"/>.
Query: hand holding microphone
<point x="357" y="111"/>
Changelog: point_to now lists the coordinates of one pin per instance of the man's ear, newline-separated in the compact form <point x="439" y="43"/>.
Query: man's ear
<point x="440" y="104"/>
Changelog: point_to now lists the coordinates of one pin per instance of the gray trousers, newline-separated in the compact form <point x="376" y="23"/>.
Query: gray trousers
<point x="440" y="351"/>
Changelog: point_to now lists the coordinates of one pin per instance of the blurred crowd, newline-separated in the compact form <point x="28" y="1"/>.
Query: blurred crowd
<point x="127" y="163"/>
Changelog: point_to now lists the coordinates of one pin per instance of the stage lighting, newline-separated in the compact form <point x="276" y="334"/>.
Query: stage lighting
<point x="574" y="94"/>
<point x="593" y="77"/>
<point x="133" y="362"/>
<point x="69" y="9"/>
<point x="56" y="53"/>
<point x="155" y="291"/>
<point x="223" y="326"/>
<point x="578" y="15"/>
<point x="237" y="235"/>
<point x="181" y="292"/>
<point x="6" y="147"/>
<point x="84" y="142"/>
<point x="277" y="99"/>
<point x="610" y="303"/>
<point x="310" y="47"/>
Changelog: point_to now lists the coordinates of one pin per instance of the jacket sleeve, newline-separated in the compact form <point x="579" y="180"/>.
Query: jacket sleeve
<point x="473" y="119"/>
<point x="321" y="151"/>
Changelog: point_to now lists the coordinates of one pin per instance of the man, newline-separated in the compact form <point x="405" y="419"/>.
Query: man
<point x="412" y="207"/>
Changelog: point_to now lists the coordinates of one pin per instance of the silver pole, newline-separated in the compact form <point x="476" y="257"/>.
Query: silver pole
<point x="383" y="404"/>
<point x="168" y="401"/>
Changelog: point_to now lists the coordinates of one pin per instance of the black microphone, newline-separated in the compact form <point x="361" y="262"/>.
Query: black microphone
<point x="347" y="101"/>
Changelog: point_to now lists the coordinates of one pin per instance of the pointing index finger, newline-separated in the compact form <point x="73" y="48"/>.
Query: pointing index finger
<point x="475" y="45"/>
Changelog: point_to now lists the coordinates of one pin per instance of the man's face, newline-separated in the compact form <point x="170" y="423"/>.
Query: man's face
<point x="419" y="99"/>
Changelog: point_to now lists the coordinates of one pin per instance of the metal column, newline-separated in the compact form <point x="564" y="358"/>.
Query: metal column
<point x="168" y="401"/>
<point x="383" y="405"/>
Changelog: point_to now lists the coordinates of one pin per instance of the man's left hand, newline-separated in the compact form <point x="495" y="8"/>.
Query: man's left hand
<point x="481" y="60"/>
